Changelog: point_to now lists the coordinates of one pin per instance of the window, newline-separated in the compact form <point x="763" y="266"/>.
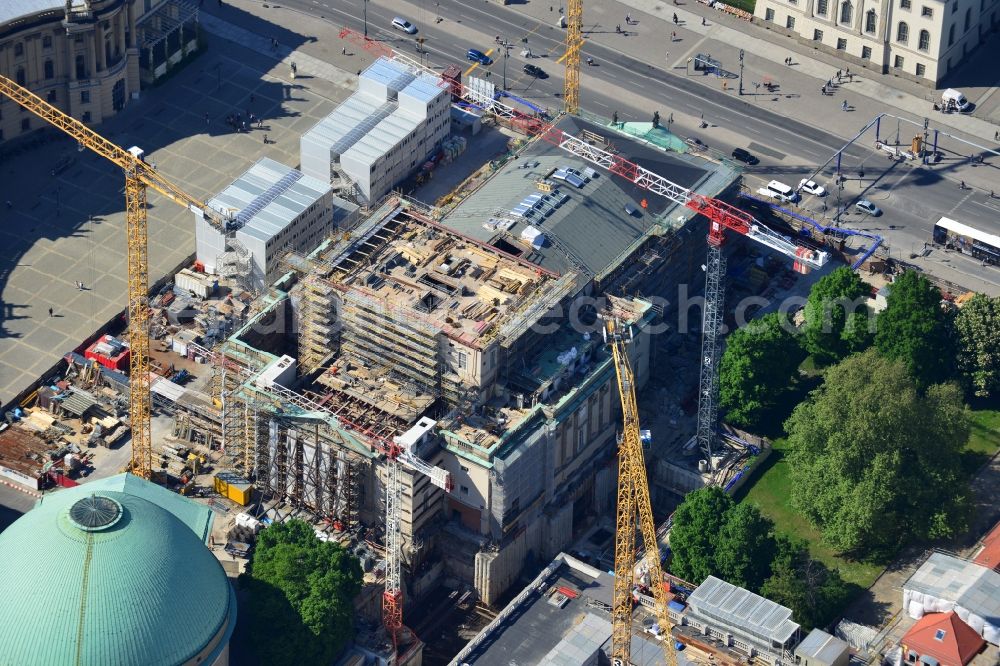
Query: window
<point x="25" y="124"/>
<point x="768" y="14"/>
<point x="822" y="7"/>
<point x="20" y="76"/>
<point x="790" y="22"/>
<point x="898" y="62"/>
<point x="940" y="634"/>
<point x="951" y="34"/>
<point x="50" y="69"/>
<point x="86" y="116"/>
<point x="968" y="18"/>
<point x="46" y="41"/>
<point x="925" y="40"/>
<point x="51" y="97"/>
<point x="81" y="67"/>
<point x="870" y="20"/>
<point x="18" y="49"/>
<point x="921" y="70"/>
<point x="463" y="468"/>
<point x="866" y="53"/>
<point x="817" y="35"/>
<point x="581" y="440"/>
<point x="841" y="44"/>
<point x="926" y="11"/>
<point x="904" y="4"/>
<point x="846" y="12"/>
<point x="954" y="7"/>
<point x="464" y="490"/>
<point x="902" y="33"/>
<point x="463" y="359"/>
<point x="84" y="97"/>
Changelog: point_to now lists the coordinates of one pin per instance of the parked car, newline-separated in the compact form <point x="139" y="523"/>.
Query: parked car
<point x="535" y="71"/>
<point x="866" y="206"/>
<point x="400" y="23"/>
<point x="811" y="187"/>
<point x="478" y="56"/>
<point x="745" y="156"/>
<point x="696" y="143"/>
<point x="779" y="192"/>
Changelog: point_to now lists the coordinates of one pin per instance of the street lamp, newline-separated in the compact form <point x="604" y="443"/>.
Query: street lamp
<point x="741" y="72"/>
<point x="505" y="45"/>
<point x="366" y="18"/>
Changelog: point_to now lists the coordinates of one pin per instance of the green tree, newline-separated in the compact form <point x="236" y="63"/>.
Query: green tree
<point x="745" y="547"/>
<point x="977" y="326"/>
<point x="757" y="367"/>
<point x="812" y="592"/>
<point x="874" y="462"/>
<point x="916" y="330"/>
<point x="835" y="301"/>
<point x="697" y="522"/>
<point x="301" y="595"/>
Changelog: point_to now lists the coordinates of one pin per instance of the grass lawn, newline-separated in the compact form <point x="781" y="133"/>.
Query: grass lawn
<point x="771" y="491"/>
<point x="745" y="5"/>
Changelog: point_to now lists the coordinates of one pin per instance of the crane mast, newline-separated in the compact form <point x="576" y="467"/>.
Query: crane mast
<point x="633" y="503"/>
<point x="574" y="42"/>
<point x="138" y="176"/>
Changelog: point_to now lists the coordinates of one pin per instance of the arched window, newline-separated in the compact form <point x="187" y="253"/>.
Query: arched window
<point x="951" y="34"/>
<point x="925" y="40"/>
<point x="902" y="32"/>
<point x="846" y="12"/>
<point x="968" y="18"/>
<point x="870" y="20"/>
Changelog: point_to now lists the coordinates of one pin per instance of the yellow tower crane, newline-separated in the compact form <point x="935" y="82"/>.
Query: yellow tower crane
<point x="574" y="42"/>
<point x="633" y="503"/>
<point x="138" y="176"/>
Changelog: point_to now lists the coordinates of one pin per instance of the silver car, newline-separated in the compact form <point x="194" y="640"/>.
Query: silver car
<point x="866" y="206"/>
<point x="400" y="23"/>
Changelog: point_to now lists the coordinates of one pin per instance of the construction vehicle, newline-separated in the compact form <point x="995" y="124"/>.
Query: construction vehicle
<point x="138" y="176"/>
<point x="633" y="504"/>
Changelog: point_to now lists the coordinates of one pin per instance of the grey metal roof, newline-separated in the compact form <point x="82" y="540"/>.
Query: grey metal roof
<point x="537" y="632"/>
<point x="268" y="197"/>
<point x="822" y="647"/>
<point x="78" y="401"/>
<point x="742" y="610"/>
<point x="14" y="9"/>
<point x="970" y="585"/>
<point x="592" y="227"/>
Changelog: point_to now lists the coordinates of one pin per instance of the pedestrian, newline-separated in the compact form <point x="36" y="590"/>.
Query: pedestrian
<point x="844" y="105"/>
<point x="996" y="137"/>
<point x="823" y="90"/>
<point x="628" y="19"/>
<point x="260" y="123"/>
<point x="703" y="22"/>
<point x="265" y="139"/>
<point x="847" y="72"/>
<point x="79" y="286"/>
<point x="207" y="121"/>
<point x="850" y="78"/>
<point x="673" y="36"/>
<point x="675" y="18"/>
<point x="50" y="312"/>
<point x="618" y="28"/>
<point x="343" y="51"/>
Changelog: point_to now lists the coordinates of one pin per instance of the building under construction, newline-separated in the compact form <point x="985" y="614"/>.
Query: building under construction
<point x="472" y="329"/>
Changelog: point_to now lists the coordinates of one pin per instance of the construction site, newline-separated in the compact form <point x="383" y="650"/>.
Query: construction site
<point x="437" y="385"/>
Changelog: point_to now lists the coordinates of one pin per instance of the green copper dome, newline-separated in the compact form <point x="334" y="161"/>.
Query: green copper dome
<point x="112" y="572"/>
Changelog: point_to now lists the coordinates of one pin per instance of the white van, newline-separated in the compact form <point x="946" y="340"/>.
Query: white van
<point x="779" y="191"/>
<point x="952" y="99"/>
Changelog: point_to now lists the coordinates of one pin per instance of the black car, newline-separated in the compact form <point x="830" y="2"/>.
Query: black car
<point x="745" y="156"/>
<point x="535" y="71"/>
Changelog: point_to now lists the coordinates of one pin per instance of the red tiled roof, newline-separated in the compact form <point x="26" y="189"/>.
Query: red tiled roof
<point x="989" y="556"/>
<point x="945" y="637"/>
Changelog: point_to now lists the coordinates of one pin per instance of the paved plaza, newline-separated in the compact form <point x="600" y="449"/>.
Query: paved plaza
<point x="69" y="228"/>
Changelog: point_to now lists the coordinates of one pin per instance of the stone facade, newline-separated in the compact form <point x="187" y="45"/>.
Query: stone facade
<point x="920" y="40"/>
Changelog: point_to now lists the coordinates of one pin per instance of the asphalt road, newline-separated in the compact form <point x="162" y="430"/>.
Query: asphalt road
<point x="912" y="197"/>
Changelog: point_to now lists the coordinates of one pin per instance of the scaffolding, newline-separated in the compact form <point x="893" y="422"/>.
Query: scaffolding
<point x="317" y="326"/>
